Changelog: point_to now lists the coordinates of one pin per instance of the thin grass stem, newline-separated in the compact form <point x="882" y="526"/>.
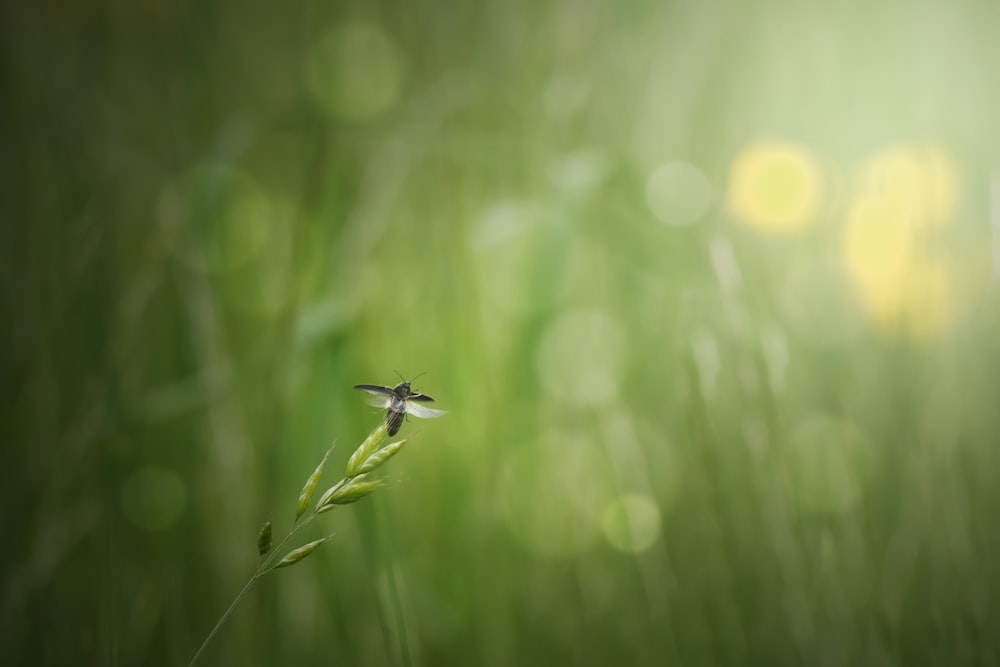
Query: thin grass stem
<point x="222" y="620"/>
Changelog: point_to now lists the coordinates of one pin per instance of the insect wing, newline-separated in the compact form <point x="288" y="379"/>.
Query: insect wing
<point x="379" y="401"/>
<point x="382" y="395"/>
<point x="423" y="398"/>
<point x="375" y="389"/>
<point x="423" y="411"/>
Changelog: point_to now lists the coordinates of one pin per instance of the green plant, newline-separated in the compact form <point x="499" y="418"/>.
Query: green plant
<point x="355" y="485"/>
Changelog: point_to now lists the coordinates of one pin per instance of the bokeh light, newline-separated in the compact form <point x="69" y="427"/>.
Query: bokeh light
<point x="921" y="179"/>
<point x="775" y="186"/>
<point x="216" y="218"/>
<point x="579" y="171"/>
<point x="890" y="246"/>
<point x="355" y="72"/>
<point x="631" y="523"/>
<point x="678" y="193"/>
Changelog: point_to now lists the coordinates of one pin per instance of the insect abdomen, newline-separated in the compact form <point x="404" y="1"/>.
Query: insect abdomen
<point x="393" y="420"/>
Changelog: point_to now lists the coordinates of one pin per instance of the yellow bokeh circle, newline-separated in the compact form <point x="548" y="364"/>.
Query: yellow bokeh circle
<point x="775" y="186"/>
<point x="896" y="262"/>
<point x="921" y="179"/>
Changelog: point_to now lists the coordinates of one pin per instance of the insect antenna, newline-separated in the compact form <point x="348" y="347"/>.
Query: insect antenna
<point x="414" y="377"/>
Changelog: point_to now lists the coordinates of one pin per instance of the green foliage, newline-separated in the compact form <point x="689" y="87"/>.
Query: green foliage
<point x="707" y="288"/>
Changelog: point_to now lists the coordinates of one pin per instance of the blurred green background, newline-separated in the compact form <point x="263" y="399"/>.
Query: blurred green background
<point x="708" y="289"/>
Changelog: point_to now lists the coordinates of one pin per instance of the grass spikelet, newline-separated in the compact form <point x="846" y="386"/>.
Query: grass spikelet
<point x="381" y="456"/>
<point x="350" y="493"/>
<point x="325" y="498"/>
<point x="367" y="448"/>
<point x="264" y="539"/>
<point x="369" y="456"/>
<point x="295" y="555"/>
<point x="307" y="491"/>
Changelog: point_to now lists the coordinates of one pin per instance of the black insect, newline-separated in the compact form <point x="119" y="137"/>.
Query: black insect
<point x="398" y="402"/>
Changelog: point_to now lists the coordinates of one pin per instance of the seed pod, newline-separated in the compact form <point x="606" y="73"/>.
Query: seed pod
<point x="264" y="538"/>
<point x="307" y="491"/>
<point x="381" y="456"/>
<point x="295" y="555"/>
<point x="350" y="493"/>
<point x="367" y="448"/>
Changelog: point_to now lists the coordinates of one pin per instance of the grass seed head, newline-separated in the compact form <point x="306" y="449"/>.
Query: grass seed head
<point x="264" y="538"/>
<point x="307" y="491"/>
<point x="367" y="448"/>
<point x="350" y="493"/>
<point x="295" y="555"/>
<point x="381" y="456"/>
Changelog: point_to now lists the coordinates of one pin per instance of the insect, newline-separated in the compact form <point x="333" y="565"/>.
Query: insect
<point x="398" y="402"/>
